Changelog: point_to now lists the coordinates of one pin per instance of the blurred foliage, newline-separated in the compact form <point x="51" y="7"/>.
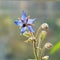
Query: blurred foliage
<point x="55" y="48"/>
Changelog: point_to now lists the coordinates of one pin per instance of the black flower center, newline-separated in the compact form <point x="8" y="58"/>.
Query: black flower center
<point x="24" y="25"/>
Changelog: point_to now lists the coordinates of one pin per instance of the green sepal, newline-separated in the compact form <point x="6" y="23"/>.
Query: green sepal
<point x="30" y="39"/>
<point x="27" y="34"/>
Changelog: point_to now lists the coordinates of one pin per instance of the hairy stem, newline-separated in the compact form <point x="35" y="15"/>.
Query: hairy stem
<point x="38" y="32"/>
<point x="35" y="50"/>
<point x="38" y="43"/>
<point x="39" y="50"/>
<point x="35" y="47"/>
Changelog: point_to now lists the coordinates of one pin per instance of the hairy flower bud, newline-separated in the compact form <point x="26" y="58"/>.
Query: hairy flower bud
<point x="42" y="35"/>
<point x="48" y="45"/>
<point x="45" y="58"/>
<point x="44" y="26"/>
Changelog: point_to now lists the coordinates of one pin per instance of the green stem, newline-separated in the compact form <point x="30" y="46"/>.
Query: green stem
<point x="39" y="50"/>
<point x="35" y="50"/>
<point x="38" y="32"/>
<point x="38" y="43"/>
<point x="35" y="47"/>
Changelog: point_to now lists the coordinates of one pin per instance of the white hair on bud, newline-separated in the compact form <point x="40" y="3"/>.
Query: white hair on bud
<point x="48" y="45"/>
<point x="44" y="26"/>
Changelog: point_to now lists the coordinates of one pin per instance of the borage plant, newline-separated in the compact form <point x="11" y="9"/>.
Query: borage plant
<point x="25" y="24"/>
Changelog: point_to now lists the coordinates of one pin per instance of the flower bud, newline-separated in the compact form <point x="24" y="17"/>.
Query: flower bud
<point x="48" y="45"/>
<point x="30" y="39"/>
<point x="44" y="26"/>
<point x="27" y="34"/>
<point x="45" y="58"/>
<point x="42" y="35"/>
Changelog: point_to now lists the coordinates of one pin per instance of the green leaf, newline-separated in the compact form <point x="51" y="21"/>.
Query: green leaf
<point x="55" y="48"/>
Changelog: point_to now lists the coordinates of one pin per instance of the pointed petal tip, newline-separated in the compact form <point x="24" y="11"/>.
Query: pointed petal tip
<point x="30" y="21"/>
<point x="18" y="22"/>
<point x="23" y="12"/>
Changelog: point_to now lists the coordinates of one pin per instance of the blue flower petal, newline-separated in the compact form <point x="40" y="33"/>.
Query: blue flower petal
<point x="30" y="29"/>
<point x="18" y="22"/>
<point x="30" y="21"/>
<point x="23" y="30"/>
<point x="24" y="16"/>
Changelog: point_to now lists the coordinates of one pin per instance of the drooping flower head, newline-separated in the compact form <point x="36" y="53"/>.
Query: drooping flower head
<point x="25" y="23"/>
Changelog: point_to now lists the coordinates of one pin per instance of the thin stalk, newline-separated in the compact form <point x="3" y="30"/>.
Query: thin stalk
<point x="39" y="50"/>
<point x="35" y="50"/>
<point x="43" y="51"/>
<point x="38" y="32"/>
<point x="38" y="43"/>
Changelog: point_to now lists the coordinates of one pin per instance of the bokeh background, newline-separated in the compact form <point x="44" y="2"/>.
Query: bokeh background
<point x="12" y="45"/>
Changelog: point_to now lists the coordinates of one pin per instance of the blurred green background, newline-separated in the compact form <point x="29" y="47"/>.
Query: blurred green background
<point x="12" y="46"/>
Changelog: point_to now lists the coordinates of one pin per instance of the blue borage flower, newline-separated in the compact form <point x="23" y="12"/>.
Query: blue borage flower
<point x="25" y="23"/>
